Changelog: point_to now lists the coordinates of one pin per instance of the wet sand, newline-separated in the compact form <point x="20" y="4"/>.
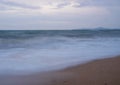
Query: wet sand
<point x="98" y="72"/>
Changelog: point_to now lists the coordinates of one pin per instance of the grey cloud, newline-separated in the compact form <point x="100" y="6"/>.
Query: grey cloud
<point x="66" y="3"/>
<point x="99" y="3"/>
<point x="61" y="5"/>
<point x="14" y="4"/>
<point x="3" y="8"/>
<point x="82" y="3"/>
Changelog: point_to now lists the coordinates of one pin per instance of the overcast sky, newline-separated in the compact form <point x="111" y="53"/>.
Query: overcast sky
<point x="59" y="14"/>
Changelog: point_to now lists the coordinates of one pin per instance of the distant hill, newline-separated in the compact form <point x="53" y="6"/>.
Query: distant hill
<point x="98" y="28"/>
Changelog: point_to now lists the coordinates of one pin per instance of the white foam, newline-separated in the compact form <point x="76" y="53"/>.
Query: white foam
<point x="53" y="54"/>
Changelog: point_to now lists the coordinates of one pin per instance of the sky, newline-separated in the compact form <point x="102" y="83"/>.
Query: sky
<point x="59" y="14"/>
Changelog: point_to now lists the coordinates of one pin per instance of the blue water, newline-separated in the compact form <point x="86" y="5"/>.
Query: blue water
<point x="23" y="52"/>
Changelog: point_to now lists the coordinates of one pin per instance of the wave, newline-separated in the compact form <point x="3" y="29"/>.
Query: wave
<point x="39" y="50"/>
<point x="23" y="34"/>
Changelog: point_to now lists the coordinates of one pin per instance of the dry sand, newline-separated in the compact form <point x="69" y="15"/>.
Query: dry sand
<point x="98" y="72"/>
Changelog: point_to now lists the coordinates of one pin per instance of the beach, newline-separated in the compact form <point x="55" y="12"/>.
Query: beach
<point x="59" y="42"/>
<point x="97" y="72"/>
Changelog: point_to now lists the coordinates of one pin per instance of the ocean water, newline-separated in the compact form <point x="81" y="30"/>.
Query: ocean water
<point x="23" y="52"/>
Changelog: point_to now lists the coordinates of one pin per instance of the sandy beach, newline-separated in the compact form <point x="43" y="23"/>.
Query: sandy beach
<point x="98" y="72"/>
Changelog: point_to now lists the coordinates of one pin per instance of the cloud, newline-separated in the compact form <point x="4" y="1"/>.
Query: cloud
<point x="15" y="4"/>
<point x="36" y="4"/>
<point x="103" y="3"/>
<point x="60" y="14"/>
<point x="48" y="7"/>
<point x="2" y="8"/>
<point x="62" y="4"/>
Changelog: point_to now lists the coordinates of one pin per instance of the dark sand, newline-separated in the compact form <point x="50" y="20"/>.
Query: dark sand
<point x="98" y="72"/>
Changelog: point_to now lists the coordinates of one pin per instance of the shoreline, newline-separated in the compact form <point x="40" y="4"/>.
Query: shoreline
<point x="97" y="72"/>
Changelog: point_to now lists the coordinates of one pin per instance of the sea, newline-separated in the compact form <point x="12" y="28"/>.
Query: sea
<point x="30" y="51"/>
